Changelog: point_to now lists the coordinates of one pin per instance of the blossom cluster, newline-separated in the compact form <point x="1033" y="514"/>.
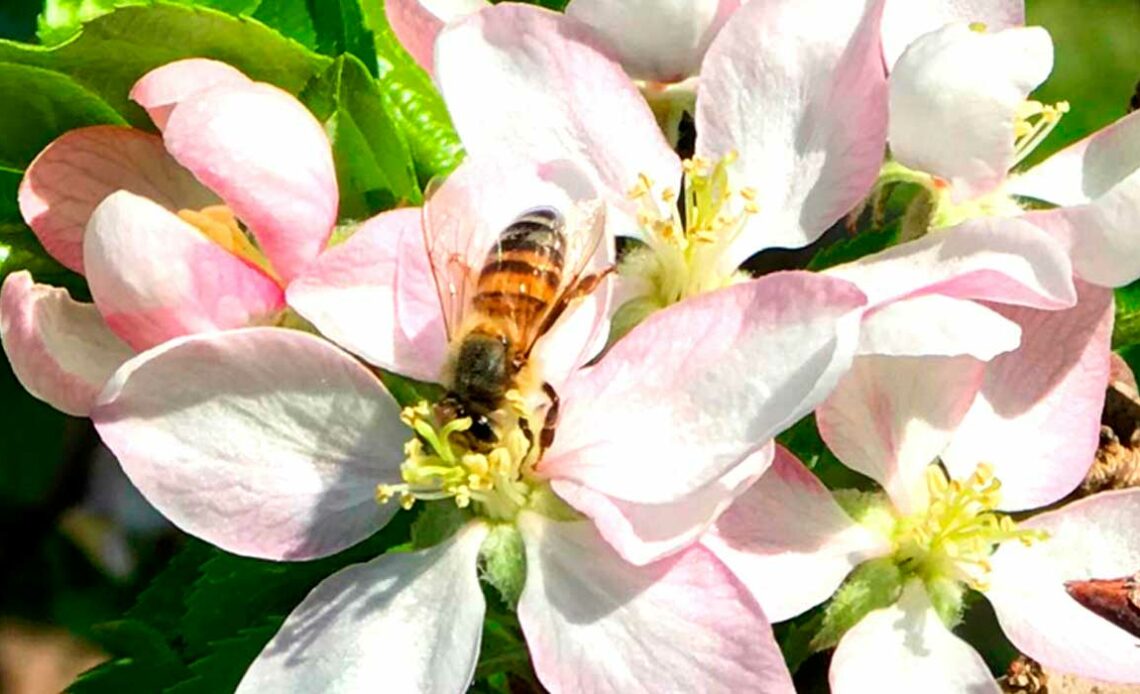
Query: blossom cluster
<point x="623" y="489"/>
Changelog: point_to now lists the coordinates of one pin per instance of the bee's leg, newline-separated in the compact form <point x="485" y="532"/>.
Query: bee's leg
<point x="547" y="436"/>
<point x="588" y="283"/>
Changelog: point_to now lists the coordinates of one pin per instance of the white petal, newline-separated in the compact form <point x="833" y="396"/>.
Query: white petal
<point x="643" y="533"/>
<point x="595" y="623"/>
<point x="906" y="20"/>
<point x="1086" y="170"/>
<point x="656" y="40"/>
<point x="907" y="648"/>
<point x="936" y="325"/>
<point x="1092" y="538"/>
<point x="789" y="542"/>
<point x="403" y="622"/>
<point x="264" y="441"/>
<point x="797" y="89"/>
<point x="955" y="94"/>
<point x="890" y="418"/>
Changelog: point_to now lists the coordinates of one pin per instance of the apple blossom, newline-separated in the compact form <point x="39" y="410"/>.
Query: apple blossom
<point x="1040" y="404"/>
<point x="790" y="118"/>
<point x="921" y="543"/>
<point x="279" y="445"/>
<point x="155" y="225"/>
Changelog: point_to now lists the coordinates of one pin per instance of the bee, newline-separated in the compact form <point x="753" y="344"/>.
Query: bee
<point x="531" y="272"/>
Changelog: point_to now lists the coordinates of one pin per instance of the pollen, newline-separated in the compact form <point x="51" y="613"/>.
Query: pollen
<point x="444" y="461"/>
<point x="953" y="538"/>
<point x="686" y="231"/>
<point x="218" y="223"/>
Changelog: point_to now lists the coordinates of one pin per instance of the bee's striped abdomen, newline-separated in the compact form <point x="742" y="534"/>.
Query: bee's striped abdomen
<point x="522" y="274"/>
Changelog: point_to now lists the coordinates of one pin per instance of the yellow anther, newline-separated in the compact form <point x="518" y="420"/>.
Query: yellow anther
<point x="218" y="223"/>
<point x="978" y="27"/>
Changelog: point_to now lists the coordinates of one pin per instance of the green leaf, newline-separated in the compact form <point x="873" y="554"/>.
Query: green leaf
<point x="374" y="167"/>
<point x="855" y="247"/>
<point x="413" y="102"/>
<point x="341" y="29"/>
<point x="113" y="51"/>
<point x="61" y="19"/>
<point x="151" y="665"/>
<point x="34" y="436"/>
<point x="222" y="668"/>
<point x="37" y="106"/>
<point x="1126" y="328"/>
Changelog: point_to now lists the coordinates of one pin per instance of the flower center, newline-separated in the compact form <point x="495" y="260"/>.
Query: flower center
<point x="218" y="223"/>
<point x="955" y="535"/>
<point x="685" y="237"/>
<point x="446" y="460"/>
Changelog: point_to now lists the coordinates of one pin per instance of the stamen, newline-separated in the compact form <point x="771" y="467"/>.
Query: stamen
<point x="443" y="461"/>
<point x="218" y="223"/>
<point x="959" y="529"/>
<point x="1033" y="123"/>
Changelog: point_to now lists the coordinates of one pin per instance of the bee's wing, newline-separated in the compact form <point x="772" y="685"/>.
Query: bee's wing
<point x="584" y="234"/>
<point x="448" y="243"/>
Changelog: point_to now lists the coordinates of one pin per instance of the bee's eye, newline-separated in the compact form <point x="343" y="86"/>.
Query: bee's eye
<point x="481" y="429"/>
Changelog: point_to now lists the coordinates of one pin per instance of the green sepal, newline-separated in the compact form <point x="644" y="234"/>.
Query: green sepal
<point x="873" y="585"/>
<point x="503" y="559"/>
<point x="438" y="520"/>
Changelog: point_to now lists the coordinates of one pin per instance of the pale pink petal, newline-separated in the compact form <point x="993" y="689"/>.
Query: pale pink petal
<point x="1093" y="538"/>
<point x="595" y="623"/>
<point x="350" y="295"/>
<point x="155" y="277"/>
<point x="643" y="533"/>
<point x="686" y="395"/>
<point x="266" y="442"/>
<point x="1099" y="236"/>
<point x="1086" y="170"/>
<point x="966" y="87"/>
<point x="906" y="20"/>
<point x="269" y="159"/>
<point x="890" y="418"/>
<point x="79" y="169"/>
<point x="160" y="90"/>
<point x="60" y="350"/>
<point x="797" y="88"/>
<point x="1037" y="417"/>
<point x="936" y="325"/>
<point x="655" y="40"/>
<point x="381" y="624"/>
<point x="416" y="23"/>
<point x="1006" y="260"/>
<point x="523" y="81"/>
<point x="789" y="542"/>
<point x="907" y="648"/>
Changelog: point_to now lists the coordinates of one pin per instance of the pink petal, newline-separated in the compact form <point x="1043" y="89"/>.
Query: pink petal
<point x="594" y="623"/>
<point x="907" y="648"/>
<point x="1006" y="260"/>
<point x="380" y="622"/>
<point x="906" y="20"/>
<point x="350" y="294"/>
<point x="65" y="183"/>
<point x="1037" y="416"/>
<point x="1097" y="235"/>
<point x="161" y="89"/>
<point x="789" y="542"/>
<point x="266" y="442"/>
<point x="936" y="325"/>
<point x="967" y="87"/>
<point x="804" y="103"/>
<point x="1093" y="538"/>
<point x="1086" y="170"/>
<point x="644" y="533"/>
<point x="890" y="418"/>
<point x="155" y="277"/>
<point x="60" y="350"/>
<point x="416" y="23"/>
<point x="656" y="40"/>
<point x="685" y="396"/>
<point x="544" y="93"/>
<point x="269" y="159"/>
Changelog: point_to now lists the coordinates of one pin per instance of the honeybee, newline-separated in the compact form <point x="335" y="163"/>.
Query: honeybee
<point x="530" y="274"/>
